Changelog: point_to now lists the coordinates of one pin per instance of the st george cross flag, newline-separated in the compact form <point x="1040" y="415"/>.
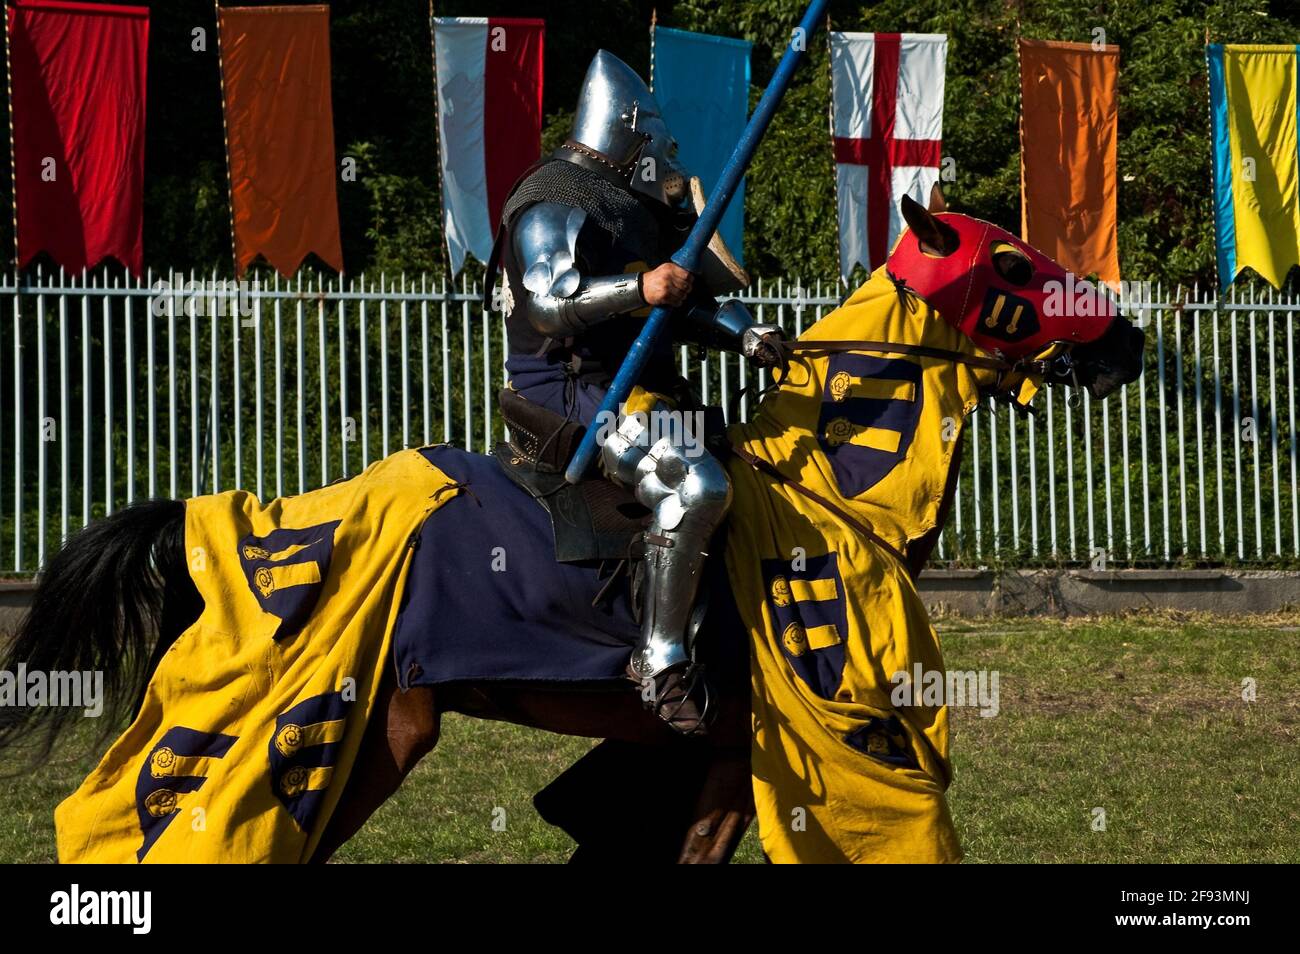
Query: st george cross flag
<point x="489" y="78"/>
<point x="887" y="106"/>
<point x="702" y="85"/>
<point x="1254" y="149"/>
<point x="78" y="102"/>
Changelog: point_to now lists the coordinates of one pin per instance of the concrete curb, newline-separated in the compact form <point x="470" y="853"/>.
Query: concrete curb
<point x="975" y="592"/>
<point x="1098" y="592"/>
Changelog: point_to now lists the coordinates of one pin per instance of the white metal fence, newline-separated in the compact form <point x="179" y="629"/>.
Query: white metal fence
<point x="114" y="394"/>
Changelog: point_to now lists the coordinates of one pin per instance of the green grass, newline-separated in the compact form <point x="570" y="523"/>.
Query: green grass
<point x="446" y="810"/>
<point x="1140" y="716"/>
<point x="1143" y="718"/>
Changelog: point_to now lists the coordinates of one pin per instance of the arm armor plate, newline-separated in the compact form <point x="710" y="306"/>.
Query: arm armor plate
<point x="562" y="301"/>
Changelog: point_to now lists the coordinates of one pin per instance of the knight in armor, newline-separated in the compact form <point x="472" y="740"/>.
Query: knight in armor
<point x="584" y="244"/>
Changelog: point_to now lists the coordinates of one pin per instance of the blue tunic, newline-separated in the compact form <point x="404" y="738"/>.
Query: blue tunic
<point x="486" y="600"/>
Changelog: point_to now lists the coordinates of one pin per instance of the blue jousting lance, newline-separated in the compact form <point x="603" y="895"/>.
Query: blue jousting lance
<point x="688" y="256"/>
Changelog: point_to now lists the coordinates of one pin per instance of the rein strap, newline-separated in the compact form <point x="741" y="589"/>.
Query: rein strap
<point x="886" y="347"/>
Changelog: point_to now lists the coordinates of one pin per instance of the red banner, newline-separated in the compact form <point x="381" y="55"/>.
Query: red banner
<point x="489" y="73"/>
<point x="275" y="69"/>
<point x="512" y="123"/>
<point x="78" y="101"/>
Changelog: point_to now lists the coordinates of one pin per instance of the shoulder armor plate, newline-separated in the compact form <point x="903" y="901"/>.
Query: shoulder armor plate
<point x="546" y="241"/>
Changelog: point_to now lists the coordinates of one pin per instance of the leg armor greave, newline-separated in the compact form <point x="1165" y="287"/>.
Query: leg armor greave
<point x="688" y="491"/>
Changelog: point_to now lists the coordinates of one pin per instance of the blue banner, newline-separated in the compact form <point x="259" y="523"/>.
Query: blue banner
<point x="702" y="85"/>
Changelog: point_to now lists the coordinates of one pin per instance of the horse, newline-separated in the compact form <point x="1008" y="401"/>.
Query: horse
<point x="118" y="594"/>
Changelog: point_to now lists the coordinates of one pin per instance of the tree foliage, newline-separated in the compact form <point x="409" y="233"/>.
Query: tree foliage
<point x="384" y="117"/>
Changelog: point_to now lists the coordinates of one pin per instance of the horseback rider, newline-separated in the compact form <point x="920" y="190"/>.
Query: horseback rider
<point x="584" y="243"/>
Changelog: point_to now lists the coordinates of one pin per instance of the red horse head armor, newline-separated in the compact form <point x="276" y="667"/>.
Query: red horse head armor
<point x="1006" y="296"/>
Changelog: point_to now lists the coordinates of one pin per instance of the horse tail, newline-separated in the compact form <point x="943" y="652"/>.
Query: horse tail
<point x="116" y="589"/>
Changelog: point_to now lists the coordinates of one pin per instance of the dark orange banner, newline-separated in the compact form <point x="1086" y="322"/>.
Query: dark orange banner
<point x="1068" y="132"/>
<point x="275" y="71"/>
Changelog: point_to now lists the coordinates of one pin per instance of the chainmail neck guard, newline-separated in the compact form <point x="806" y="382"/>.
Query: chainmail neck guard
<point x="613" y="208"/>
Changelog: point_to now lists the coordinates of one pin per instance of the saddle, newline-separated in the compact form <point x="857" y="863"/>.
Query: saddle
<point x="593" y="520"/>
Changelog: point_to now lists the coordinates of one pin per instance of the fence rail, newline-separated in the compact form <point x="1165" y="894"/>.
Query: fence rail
<point x="115" y="393"/>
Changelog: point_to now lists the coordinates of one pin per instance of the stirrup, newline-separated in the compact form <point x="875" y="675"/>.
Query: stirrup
<point x="691" y="678"/>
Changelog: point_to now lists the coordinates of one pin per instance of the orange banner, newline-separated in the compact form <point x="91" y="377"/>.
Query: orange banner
<point x="275" y="71"/>
<point x="1068" y="132"/>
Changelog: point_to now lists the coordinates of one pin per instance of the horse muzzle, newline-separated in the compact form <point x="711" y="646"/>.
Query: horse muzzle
<point x="1102" y="366"/>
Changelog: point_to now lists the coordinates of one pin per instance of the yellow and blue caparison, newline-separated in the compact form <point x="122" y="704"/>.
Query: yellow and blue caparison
<point x="252" y="721"/>
<point x="841" y="773"/>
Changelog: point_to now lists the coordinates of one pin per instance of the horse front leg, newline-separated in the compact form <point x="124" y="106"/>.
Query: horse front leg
<point x="725" y="806"/>
<point x="403" y="729"/>
<point x="723" y="811"/>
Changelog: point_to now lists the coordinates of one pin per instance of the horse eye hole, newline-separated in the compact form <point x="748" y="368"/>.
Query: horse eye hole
<point x="1012" y="264"/>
